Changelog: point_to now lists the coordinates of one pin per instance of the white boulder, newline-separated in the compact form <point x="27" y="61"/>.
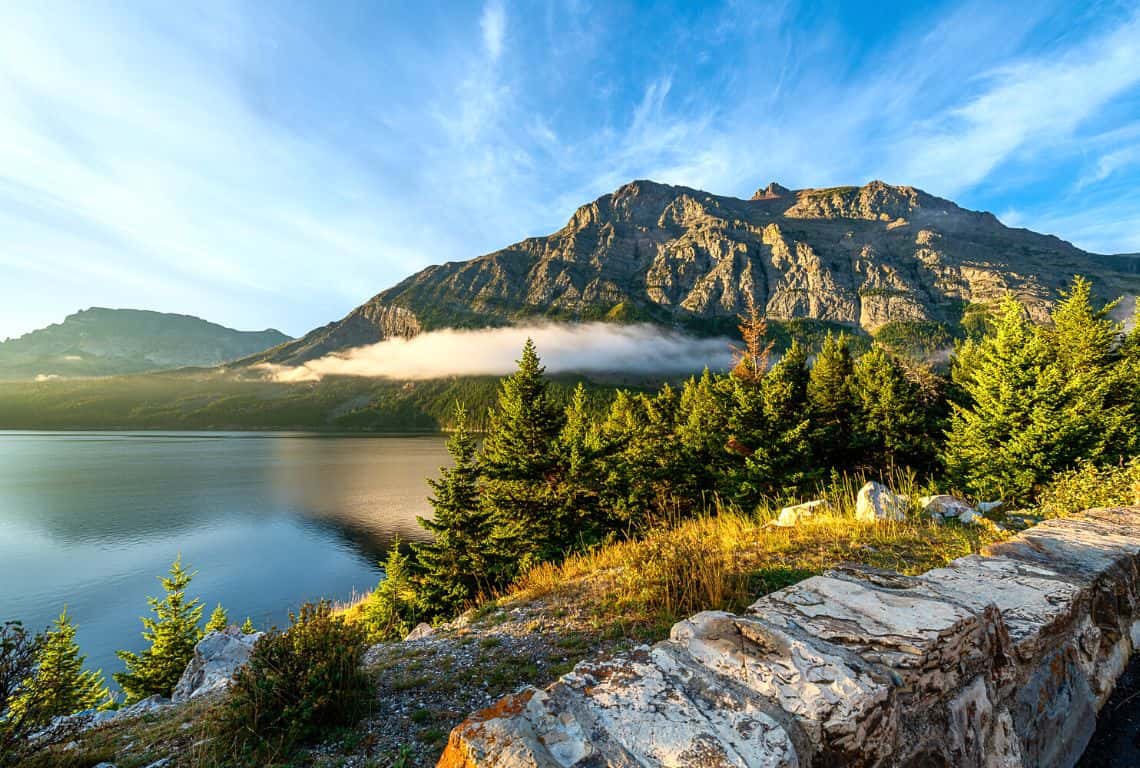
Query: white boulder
<point x="789" y="516"/>
<point x="985" y="507"/>
<point x="877" y="502"/>
<point x="422" y="630"/>
<point x="945" y="506"/>
<point x="217" y="656"/>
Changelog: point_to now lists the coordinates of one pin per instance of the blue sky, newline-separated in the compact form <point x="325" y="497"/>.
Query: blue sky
<point x="276" y="163"/>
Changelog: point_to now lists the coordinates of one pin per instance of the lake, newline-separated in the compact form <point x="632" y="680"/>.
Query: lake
<point x="268" y="520"/>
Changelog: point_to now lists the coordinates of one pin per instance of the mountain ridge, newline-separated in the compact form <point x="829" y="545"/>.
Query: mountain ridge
<point x="100" y="341"/>
<point x="861" y="257"/>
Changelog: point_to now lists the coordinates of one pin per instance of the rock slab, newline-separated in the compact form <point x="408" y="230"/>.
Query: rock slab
<point x="995" y="661"/>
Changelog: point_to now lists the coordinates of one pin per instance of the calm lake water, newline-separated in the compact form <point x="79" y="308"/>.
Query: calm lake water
<point x="269" y="520"/>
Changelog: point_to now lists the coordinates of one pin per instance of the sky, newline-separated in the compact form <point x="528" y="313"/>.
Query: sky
<point x="274" y="164"/>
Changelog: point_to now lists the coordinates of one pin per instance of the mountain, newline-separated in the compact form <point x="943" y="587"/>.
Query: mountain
<point x="104" y="342"/>
<point x="874" y="259"/>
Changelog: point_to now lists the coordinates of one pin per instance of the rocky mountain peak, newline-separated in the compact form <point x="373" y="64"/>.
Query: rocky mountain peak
<point x="875" y="201"/>
<point x="858" y="257"/>
<point x="773" y="191"/>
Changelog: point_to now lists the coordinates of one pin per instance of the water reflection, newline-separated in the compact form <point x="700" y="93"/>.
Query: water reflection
<point x="268" y="520"/>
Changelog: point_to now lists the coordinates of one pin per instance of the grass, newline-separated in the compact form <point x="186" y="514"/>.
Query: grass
<point x="727" y="559"/>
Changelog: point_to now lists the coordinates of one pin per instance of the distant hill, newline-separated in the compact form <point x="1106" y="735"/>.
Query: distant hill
<point x="106" y="342"/>
<point x="879" y="260"/>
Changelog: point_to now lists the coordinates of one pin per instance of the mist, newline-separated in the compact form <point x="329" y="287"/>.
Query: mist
<point x="584" y="348"/>
<point x="1125" y="312"/>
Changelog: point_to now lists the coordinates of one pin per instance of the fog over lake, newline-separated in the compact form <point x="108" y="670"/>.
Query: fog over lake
<point x="269" y="520"/>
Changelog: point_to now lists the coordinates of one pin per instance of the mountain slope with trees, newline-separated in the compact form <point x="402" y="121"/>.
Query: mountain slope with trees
<point x="107" y="342"/>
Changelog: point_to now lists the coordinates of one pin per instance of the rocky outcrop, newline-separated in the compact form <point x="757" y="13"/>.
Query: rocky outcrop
<point x="876" y="503"/>
<point x="217" y="656"/>
<point x="790" y="516"/>
<point x="999" y="660"/>
<point x="859" y="257"/>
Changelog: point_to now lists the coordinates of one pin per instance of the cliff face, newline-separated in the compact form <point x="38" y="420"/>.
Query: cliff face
<point x="859" y="256"/>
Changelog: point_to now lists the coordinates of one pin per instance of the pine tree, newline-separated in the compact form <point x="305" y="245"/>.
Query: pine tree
<point x="751" y="360"/>
<point x="453" y="566"/>
<point x="60" y="685"/>
<point x="1099" y="390"/>
<point x="894" y="427"/>
<point x="701" y="437"/>
<point x="524" y="425"/>
<point x="1006" y="437"/>
<point x="834" y="410"/>
<point x="580" y="451"/>
<point x="521" y="466"/>
<point x="782" y="459"/>
<point x="247" y="626"/>
<point x="172" y="633"/>
<point x="392" y="609"/>
<point x="219" y="620"/>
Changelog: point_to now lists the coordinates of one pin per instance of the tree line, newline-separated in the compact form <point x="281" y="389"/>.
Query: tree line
<point x="1022" y="401"/>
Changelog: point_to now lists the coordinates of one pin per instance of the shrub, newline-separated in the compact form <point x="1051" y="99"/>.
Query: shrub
<point x="298" y="684"/>
<point x="1089" y="486"/>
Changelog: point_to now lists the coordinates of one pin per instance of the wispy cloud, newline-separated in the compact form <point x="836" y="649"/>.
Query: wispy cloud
<point x="1027" y="105"/>
<point x="493" y="24"/>
<point x="277" y="164"/>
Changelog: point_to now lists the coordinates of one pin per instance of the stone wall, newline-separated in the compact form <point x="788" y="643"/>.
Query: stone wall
<point x="998" y="660"/>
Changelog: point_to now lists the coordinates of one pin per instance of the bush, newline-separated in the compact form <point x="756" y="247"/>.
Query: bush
<point x="1089" y="486"/>
<point x="298" y="684"/>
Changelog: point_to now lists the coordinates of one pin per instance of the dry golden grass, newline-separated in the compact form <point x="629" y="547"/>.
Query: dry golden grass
<point x="724" y="561"/>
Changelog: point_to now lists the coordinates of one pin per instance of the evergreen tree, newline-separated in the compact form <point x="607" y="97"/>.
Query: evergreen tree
<point x="219" y="620"/>
<point x="701" y="437"/>
<point x="393" y="608"/>
<point x="521" y="464"/>
<point x="172" y="633"/>
<point x="580" y="448"/>
<point x="894" y="427"/>
<point x="1130" y="365"/>
<point x="60" y="685"/>
<point x="247" y="626"/>
<point x="781" y="460"/>
<point x="453" y="566"/>
<point x="834" y="410"/>
<point x="1009" y="435"/>
<point x="751" y="360"/>
<point x="1098" y="388"/>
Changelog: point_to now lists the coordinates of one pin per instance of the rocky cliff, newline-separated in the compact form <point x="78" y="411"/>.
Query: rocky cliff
<point x="862" y="257"/>
<point x="104" y="342"/>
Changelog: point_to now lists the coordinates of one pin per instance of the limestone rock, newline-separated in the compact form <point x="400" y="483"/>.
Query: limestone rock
<point x="945" y="507"/>
<point x="217" y="656"/>
<point x="994" y="661"/>
<point x="143" y="707"/>
<point x="422" y="630"/>
<point x="877" y="502"/>
<point x="789" y="516"/>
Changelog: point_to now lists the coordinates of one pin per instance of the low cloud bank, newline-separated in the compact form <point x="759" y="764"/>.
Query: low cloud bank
<point x="585" y="348"/>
